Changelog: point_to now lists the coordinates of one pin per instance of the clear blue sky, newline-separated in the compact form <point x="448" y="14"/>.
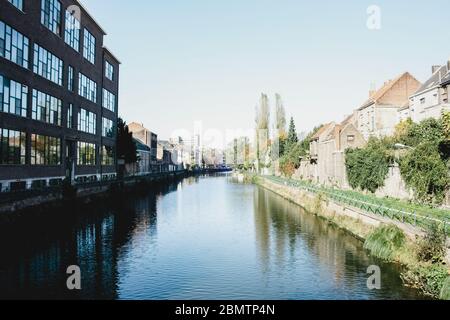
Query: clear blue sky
<point x="209" y="60"/>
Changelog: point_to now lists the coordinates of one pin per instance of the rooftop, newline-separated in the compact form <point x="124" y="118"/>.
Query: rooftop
<point x="377" y="95"/>
<point x="435" y="80"/>
<point x="90" y="16"/>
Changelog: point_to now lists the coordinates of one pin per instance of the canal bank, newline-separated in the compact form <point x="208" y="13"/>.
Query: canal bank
<point x="44" y="199"/>
<point x="431" y="278"/>
<point x="18" y="202"/>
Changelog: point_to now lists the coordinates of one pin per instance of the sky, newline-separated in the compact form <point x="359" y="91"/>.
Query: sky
<point x="209" y="60"/>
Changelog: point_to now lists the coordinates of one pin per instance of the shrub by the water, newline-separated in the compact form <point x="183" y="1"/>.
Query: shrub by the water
<point x="432" y="248"/>
<point x="384" y="241"/>
<point x="429" y="279"/>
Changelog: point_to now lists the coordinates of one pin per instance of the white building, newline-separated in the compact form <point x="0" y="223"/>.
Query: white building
<point x="378" y="116"/>
<point x="432" y="97"/>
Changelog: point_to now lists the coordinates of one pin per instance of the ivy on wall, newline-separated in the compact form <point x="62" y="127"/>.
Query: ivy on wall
<point x="424" y="162"/>
<point x="425" y="167"/>
<point x="368" y="167"/>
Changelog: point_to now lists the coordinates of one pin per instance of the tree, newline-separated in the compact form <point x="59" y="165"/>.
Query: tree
<point x="280" y="127"/>
<point x="262" y="127"/>
<point x="426" y="173"/>
<point x="412" y="134"/>
<point x="126" y="148"/>
<point x="292" y="138"/>
<point x="290" y="161"/>
<point x="280" y="115"/>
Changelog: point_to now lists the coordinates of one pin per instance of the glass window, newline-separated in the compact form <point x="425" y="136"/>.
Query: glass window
<point x="109" y="100"/>
<point x="87" y="121"/>
<point x="45" y="150"/>
<point x="46" y="108"/>
<point x="70" y="116"/>
<point x="12" y="147"/>
<point x="86" y="154"/>
<point x="17" y="3"/>
<point x="89" y="46"/>
<point x="72" y="32"/>
<point x="51" y="15"/>
<point x="109" y="71"/>
<point x="108" y="156"/>
<point x="14" y="46"/>
<point x="47" y="65"/>
<point x="107" y="128"/>
<point x="70" y="79"/>
<point x="87" y="88"/>
<point x="13" y="97"/>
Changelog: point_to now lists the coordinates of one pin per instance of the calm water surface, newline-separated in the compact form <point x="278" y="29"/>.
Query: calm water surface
<point x="200" y="238"/>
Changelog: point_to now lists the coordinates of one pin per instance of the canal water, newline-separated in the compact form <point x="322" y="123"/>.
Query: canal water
<point x="199" y="238"/>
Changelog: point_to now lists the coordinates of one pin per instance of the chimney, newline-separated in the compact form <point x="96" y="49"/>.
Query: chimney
<point x="434" y="68"/>
<point x="448" y="65"/>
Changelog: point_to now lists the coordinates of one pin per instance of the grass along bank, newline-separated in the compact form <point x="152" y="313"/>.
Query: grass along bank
<point x="422" y="256"/>
<point x="406" y="212"/>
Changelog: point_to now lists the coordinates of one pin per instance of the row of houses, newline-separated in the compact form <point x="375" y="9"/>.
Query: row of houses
<point x="154" y="156"/>
<point x="398" y="99"/>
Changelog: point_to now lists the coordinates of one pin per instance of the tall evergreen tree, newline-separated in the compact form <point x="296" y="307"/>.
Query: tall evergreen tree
<point x="292" y="134"/>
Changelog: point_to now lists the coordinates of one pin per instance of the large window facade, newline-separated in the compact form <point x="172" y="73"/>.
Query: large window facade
<point x="87" y="88"/>
<point x="109" y="71"/>
<point x="14" y="46"/>
<point x="47" y="65"/>
<point x="72" y="31"/>
<point x="46" y="108"/>
<point x="17" y="3"/>
<point x="13" y="97"/>
<point x="51" y="15"/>
<point x="86" y="154"/>
<point x="89" y="46"/>
<point x="45" y="150"/>
<point x="109" y="100"/>
<point x="107" y="128"/>
<point x="87" y="121"/>
<point x="12" y="147"/>
<point x="107" y="156"/>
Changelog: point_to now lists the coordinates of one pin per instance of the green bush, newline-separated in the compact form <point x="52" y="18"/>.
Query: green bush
<point x="425" y="168"/>
<point x="426" y="173"/>
<point x="430" y="131"/>
<point x="432" y="248"/>
<point x="291" y="160"/>
<point x="429" y="279"/>
<point x="384" y="241"/>
<point x="368" y="167"/>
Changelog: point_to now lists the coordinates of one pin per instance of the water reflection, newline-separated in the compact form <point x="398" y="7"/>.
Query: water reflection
<point x="199" y="238"/>
<point x="36" y="251"/>
<point x="334" y="263"/>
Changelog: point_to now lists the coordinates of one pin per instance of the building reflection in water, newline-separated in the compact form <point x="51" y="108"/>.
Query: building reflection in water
<point x="36" y="250"/>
